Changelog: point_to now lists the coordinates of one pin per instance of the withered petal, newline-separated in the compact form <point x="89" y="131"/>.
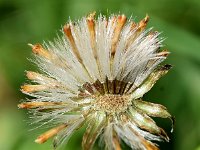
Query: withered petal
<point x="150" y="81"/>
<point x="148" y="145"/>
<point x="92" y="132"/>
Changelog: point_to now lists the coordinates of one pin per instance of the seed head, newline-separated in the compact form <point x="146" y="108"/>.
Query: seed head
<point x="96" y="74"/>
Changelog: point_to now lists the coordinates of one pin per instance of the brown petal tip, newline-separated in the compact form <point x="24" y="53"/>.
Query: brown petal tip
<point x="52" y="132"/>
<point x="39" y="50"/>
<point x="143" y="23"/>
<point x="32" y="88"/>
<point x="21" y="105"/>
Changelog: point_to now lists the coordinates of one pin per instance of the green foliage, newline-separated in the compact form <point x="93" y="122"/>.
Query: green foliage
<point x="23" y="22"/>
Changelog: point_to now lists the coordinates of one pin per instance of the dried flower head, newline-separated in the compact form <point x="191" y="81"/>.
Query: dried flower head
<point x="96" y="74"/>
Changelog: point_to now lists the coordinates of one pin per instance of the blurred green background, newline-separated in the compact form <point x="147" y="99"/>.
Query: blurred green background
<point x="32" y="21"/>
